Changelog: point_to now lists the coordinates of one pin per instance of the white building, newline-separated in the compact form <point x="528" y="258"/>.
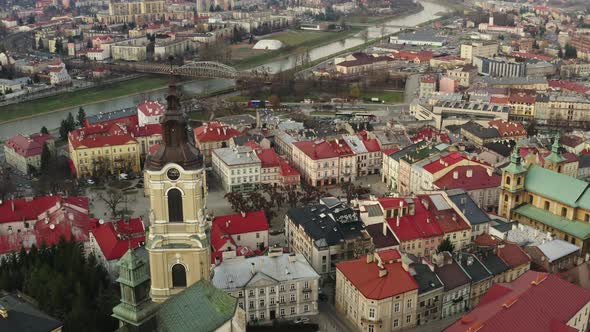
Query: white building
<point x="270" y="287"/>
<point x="150" y="112"/>
<point x="237" y="167"/>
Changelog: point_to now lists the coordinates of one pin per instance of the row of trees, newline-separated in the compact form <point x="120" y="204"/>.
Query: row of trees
<point x="66" y="284"/>
<point x="68" y="124"/>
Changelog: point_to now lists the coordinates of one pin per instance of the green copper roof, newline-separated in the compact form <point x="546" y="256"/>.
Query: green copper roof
<point x="201" y="307"/>
<point x="576" y="228"/>
<point x="133" y="269"/>
<point x="556" y="186"/>
<point x="555" y="155"/>
<point x="515" y="166"/>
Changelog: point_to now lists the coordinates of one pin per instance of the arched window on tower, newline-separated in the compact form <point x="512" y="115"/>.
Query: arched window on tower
<point x="178" y="276"/>
<point x="175" y="205"/>
<point x="507" y="180"/>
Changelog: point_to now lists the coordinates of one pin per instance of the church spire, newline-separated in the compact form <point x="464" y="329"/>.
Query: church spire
<point x="175" y="147"/>
<point x="515" y="166"/>
<point x="555" y="156"/>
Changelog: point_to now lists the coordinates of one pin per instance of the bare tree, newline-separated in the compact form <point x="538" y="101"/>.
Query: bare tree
<point x="112" y="198"/>
<point x="7" y="187"/>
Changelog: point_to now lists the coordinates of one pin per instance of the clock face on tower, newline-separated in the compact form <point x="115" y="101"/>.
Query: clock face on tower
<point x="173" y="174"/>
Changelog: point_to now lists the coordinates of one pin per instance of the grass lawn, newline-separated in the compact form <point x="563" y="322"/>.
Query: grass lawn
<point x="73" y="99"/>
<point x="388" y="96"/>
<point x="295" y="41"/>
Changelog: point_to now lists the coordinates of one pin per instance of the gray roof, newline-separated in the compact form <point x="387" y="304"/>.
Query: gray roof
<point x="474" y="214"/>
<point x="24" y="317"/>
<point x="480" y="131"/>
<point x="584" y="161"/>
<point x="557" y="249"/>
<point x="237" y="272"/>
<point x="239" y="119"/>
<point x="425" y="277"/>
<point x="473" y="266"/>
<point x="494" y="263"/>
<point x="328" y="223"/>
<point x="355" y="143"/>
<point x="239" y="155"/>
<point x="502" y="226"/>
<point x="374" y="210"/>
<point x="114" y="115"/>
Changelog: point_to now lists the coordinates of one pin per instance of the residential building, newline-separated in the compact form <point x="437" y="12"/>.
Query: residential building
<point x="500" y="67"/>
<point x="318" y="163"/>
<point x="478" y="134"/>
<point x="465" y="75"/>
<point x="25" y="222"/>
<point x="547" y="200"/>
<point x="213" y="135"/>
<point x="23" y="153"/>
<point x="534" y="302"/>
<point x="325" y="234"/>
<point x="367" y="152"/>
<point x="482" y="49"/>
<point x="479" y="181"/>
<point x="150" y="112"/>
<point x="526" y="83"/>
<point x="130" y="49"/>
<point x="515" y="257"/>
<point x="109" y="241"/>
<point x="238" y="168"/>
<point x="172" y="47"/>
<point x="430" y="292"/>
<point x="464" y="111"/>
<point x="276" y="171"/>
<point x="376" y="292"/>
<point x="21" y="314"/>
<point x="59" y="76"/>
<point x="457" y="284"/>
<point x="474" y="214"/>
<point x="361" y="63"/>
<point x="241" y="234"/>
<point x="554" y="256"/>
<point x="481" y="277"/>
<point x="490" y="27"/>
<point x="102" y="149"/>
<point x="555" y="108"/>
<point x="427" y="86"/>
<point x="451" y="220"/>
<point x="277" y="286"/>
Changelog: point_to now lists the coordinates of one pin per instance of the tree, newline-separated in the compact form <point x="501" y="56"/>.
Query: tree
<point x="7" y="186"/>
<point x="112" y="198"/>
<point x="531" y="129"/>
<point x="81" y="117"/>
<point x="445" y="245"/>
<point x="237" y="201"/>
<point x="89" y="44"/>
<point x="44" y="130"/>
<point x="211" y="8"/>
<point x="353" y="191"/>
<point x="31" y="19"/>
<point x="40" y="44"/>
<point x="570" y="52"/>
<point x="45" y="158"/>
<point x="58" y="46"/>
<point x="355" y="92"/>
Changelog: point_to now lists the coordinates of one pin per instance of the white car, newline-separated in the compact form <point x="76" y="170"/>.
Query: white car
<point x="301" y="320"/>
<point x="90" y="181"/>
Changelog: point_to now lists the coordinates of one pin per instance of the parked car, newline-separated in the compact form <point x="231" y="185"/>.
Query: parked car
<point x="301" y="320"/>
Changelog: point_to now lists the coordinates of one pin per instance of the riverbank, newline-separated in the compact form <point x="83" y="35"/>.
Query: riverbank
<point x="81" y="98"/>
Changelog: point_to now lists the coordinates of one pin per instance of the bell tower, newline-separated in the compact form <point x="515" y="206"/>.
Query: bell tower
<point x="512" y="186"/>
<point x="175" y="181"/>
<point x="555" y="160"/>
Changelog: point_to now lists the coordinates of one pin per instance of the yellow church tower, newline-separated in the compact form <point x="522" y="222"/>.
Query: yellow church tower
<point x="175" y="181"/>
<point x="512" y="186"/>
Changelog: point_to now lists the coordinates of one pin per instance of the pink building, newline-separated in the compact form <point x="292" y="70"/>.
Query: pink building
<point x="448" y="85"/>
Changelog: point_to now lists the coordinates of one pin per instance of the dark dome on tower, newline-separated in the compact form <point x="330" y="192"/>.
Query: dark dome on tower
<point x="175" y="147"/>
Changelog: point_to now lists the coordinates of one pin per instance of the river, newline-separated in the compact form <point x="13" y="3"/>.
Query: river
<point x="52" y="120"/>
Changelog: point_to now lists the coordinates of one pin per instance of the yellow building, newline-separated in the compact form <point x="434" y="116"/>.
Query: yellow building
<point x="103" y="150"/>
<point x="175" y="181"/>
<point x="547" y="200"/>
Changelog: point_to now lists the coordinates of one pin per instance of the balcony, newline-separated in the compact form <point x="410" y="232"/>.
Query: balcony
<point x="370" y="320"/>
<point x="307" y="290"/>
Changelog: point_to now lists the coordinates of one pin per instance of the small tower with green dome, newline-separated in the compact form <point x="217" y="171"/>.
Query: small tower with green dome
<point x="136" y="310"/>
<point x="512" y="186"/>
<point x="555" y="160"/>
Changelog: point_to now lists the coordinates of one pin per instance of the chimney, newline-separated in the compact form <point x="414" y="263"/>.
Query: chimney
<point x="469" y="260"/>
<point x="253" y="268"/>
<point x="227" y="223"/>
<point x="382" y="272"/>
<point x="12" y="204"/>
<point x="397" y="222"/>
<point x="491" y="21"/>
<point x="490" y="171"/>
<point x="469" y="173"/>
<point x="243" y="214"/>
<point x="384" y="228"/>
<point x="455" y="175"/>
<point x="428" y="220"/>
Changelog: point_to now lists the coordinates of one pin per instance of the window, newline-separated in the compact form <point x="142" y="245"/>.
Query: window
<point x="257" y="235"/>
<point x="396" y="323"/>
<point x="261" y="302"/>
<point x="396" y="307"/>
<point x="408" y="318"/>
<point x="240" y="294"/>
<point x="282" y="288"/>
<point x="251" y="305"/>
<point x="261" y="291"/>
<point x="261" y="315"/>
<point x="282" y="311"/>
<point x="306" y="284"/>
<point x="518" y="179"/>
<point x="251" y="292"/>
<point x="251" y="316"/>
<point x="306" y="308"/>
<point x="547" y="205"/>
<point x="292" y="286"/>
<point x="508" y="180"/>
<point x="178" y="276"/>
<point x="175" y="205"/>
<point x="563" y="211"/>
<point x="306" y="296"/>
<point x="272" y="290"/>
<point x="292" y="297"/>
<point x="272" y="301"/>
<point x="282" y="299"/>
<point x="409" y="304"/>
<point x="292" y="310"/>
<point x="371" y="328"/>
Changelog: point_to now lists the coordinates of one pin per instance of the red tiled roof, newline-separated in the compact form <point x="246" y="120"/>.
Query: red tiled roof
<point x="22" y="209"/>
<point x="28" y="146"/>
<point x="390" y="151"/>
<point x="252" y="144"/>
<point x="99" y="136"/>
<point x="215" y="131"/>
<point x="444" y="162"/>
<point x="535" y="302"/>
<point x="448" y="220"/>
<point x="365" y="277"/>
<point x="417" y="226"/>
<point x="486" y="240"/>
<point x="428" y="133"/>
<point x="388" y="203"/>
<point x="316" y="149"/>
<point x="508" y="128"/>
<point x="428" y="79"/>
<point x="146" y="130"/>
<point x="480" y="178"/>
<point x="372" y="145"/>
<point x="521" y="98"/>
<point x="238" y="224"/>
<point x="341" y="147"/>
<point x="268" y="157"/>
<point x="409" y="55"/>
<point x="512" y="254"/>
<point x="499" y="100"/>
<point x="568" y="85"/>
<point x="115" y="238"/>
<point x="151" y="108"/>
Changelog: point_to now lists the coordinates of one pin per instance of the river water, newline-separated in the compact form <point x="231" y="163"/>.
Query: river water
<point x="52" y="120"/>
